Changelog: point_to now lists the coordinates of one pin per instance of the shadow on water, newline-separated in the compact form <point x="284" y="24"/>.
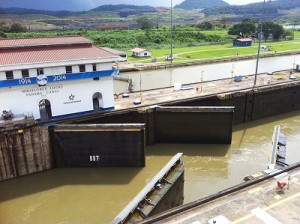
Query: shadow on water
<point x="214" y="150"/>
<point x="60" y="177"/>
<point x="278" y="119"/>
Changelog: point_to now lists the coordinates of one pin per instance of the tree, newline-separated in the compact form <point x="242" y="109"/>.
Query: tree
<point x="243" y="29"/>
<point x="2" y="34"/>
<point x="142" y="40"/>
<point x="3" y="27"/>
<point x="144" y="23"/>
<point x="288" y="34"/>
<point x="206" y="25"/>
<point x="17" y="28"/>
<point x="271" y="29"/>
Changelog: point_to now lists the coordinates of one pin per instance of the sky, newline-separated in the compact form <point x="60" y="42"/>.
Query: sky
<point x="241" y="2"/>
<point x="79" y="5"/>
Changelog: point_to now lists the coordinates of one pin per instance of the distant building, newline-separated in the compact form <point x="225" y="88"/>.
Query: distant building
<point x="140" y="52"/>
<point x="242" y="42"/>
<point x="55" y="76"/>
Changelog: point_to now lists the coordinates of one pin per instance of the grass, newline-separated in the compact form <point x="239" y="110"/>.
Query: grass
<point x="297" y="34"/>
<point x="217" y="51"/>
<point x="215" y="32"/>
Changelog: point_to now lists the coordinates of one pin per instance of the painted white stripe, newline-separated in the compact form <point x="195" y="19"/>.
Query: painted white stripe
<point x="264" y="216"/>
<point x="221" y="219"/>
<point x="195" y="222"/>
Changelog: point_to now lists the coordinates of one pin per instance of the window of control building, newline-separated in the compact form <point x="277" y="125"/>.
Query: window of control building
<point x="94" y="70"/>
<point x="40" y="71"/>
<point x="25" y="73"/>
<point x="9" y="75"/>
<point x="68" y="69"/>
<point x="81" y="68"/>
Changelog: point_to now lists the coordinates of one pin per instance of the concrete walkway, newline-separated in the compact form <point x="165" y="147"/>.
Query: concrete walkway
<point x="264" y="202"/>
<point x="197" y="90"/>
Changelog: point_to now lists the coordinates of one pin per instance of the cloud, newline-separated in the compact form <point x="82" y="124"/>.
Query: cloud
<point x="74" y="5"/>
<point x="243" y="2"/>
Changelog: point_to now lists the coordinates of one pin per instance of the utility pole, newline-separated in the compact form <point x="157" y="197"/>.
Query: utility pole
<point x="171" y="32"/>
<point x="259" y="44"/>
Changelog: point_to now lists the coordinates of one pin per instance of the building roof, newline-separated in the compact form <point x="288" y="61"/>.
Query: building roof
<point x="114" y="51"/>
<point x="50" y="54"/>
<point x="244" y="39"/>
<point x="138" y="50"/>
<point x="45" y="41"/>
<point x="43" y="50"/>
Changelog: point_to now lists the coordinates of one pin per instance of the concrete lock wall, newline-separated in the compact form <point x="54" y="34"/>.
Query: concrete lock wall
<point x="193" y="125"/>
<point x="276" y="101"/>
<point x="253" y="104"/>
<point x="24" y="151"/>
<point x="98" y="145"/>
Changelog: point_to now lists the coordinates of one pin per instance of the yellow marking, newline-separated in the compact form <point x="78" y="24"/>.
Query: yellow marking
<point x="278" y="197"/>
<point x="254" y="190"/>
<point x="96" y="130"/>
<point x="258" y="174"/>
<point x="267" y="208"/>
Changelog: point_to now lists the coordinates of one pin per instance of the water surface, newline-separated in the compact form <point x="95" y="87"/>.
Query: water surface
<point x="97" y="195"/>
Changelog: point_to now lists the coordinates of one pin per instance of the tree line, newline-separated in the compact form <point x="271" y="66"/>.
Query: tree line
<point x="156" y="37"/>
<point x="249" y="28"/>
<point x="13" y="28"/>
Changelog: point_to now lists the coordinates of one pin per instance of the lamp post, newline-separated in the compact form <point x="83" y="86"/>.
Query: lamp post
<point x="232" y="72"/>
<point x="141" y="87"/>
<point x="259" y="44"/>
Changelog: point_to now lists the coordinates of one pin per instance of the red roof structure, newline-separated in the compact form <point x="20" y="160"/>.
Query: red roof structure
<point x="53" y="49"/>
<point x="45" y="41"/>
<point x="138" y="50"/>
<point x="244" y="39"/>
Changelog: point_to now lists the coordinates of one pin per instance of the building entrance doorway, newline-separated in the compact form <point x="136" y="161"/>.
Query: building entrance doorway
<point x="45" y="110"/>
<point x="97" y="101"/>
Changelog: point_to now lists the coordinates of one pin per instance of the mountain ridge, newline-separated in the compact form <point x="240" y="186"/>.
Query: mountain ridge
<point x="59" y="13"/>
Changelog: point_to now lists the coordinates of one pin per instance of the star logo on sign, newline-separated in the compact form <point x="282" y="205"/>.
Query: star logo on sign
<point x="71" y="97"/>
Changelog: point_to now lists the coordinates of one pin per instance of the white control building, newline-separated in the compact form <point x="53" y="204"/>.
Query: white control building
<point x="55" y="77"/>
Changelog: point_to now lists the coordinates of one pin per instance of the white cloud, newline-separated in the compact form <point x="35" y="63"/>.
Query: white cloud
<point x="241" y="2"/>
<point x="75" y="5"/>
